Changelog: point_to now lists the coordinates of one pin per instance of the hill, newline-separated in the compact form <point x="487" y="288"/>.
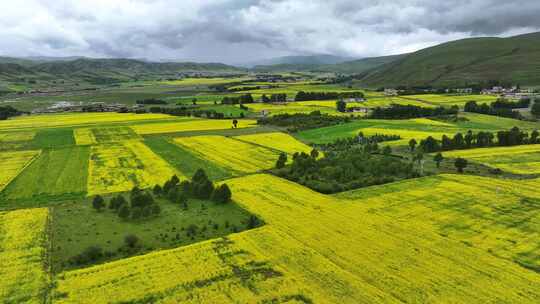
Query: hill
<point x="349" y="67"/>
<point x="464" y="62"/>
<point x="97" y="71"/>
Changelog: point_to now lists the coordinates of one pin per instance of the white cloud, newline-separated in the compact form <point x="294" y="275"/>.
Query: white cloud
<point x="246" y="30"/>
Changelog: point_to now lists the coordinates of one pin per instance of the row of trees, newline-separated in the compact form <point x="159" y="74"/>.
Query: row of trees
<point x="498" y="108"/>
<point x="200" y="187"/>
<point x="242" y="99"/>
<point x="140" y="205"/>
<point x="306" y="96"/>
<point x="281" y="97"/>
<point x="151" y="101"/>
<point x="396" y="111"/>
<point x="188" y="112"/>
<point x="481" y="139"/>
<point x="7" y="112"/>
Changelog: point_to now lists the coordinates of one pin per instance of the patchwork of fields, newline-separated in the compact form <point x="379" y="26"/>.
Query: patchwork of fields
<point x="365" y="257"/>
<point x="441" y="238"/>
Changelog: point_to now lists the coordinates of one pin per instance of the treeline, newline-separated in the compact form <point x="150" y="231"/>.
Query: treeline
<point x="359" y="140"/>
<point x="199" y="187"/>
<point x="345" y="170"/>
<point x="188" y="112"/>
<point x="301" y="121"/>
<point x="306" y="96"/>
<point x="482" y="139"/>
<point x="281" y="97"/>
<point x="151" y="101"/>
<point x="8" y="111"/>
<point x="396" y="111"/>
<point x="501" y="107"/>
<point x="242" y="99"/>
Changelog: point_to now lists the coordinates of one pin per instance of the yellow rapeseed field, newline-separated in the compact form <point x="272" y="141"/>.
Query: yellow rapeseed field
<point x="378" y="245"/>
<point x="74" y="119"/>
<point x="84" y="136"/>
<point x="191" y="125"/>
<point x="17" y="136"/>
<point x="229" y="153"/>
<point x="517" y="159"/>
<point x="406" y="135"/>
<point x="22" y="252"/>
<point x="278" y="141"/>
<point x="12" y="163"/>
<point x="116" y="167"/>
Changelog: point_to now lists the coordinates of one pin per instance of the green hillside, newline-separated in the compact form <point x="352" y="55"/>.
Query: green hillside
<point x="515" y="60"/>
<point x="349" y="67"/>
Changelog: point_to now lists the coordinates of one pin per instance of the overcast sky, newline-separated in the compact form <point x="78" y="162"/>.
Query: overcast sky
<point x="247" y="30"/>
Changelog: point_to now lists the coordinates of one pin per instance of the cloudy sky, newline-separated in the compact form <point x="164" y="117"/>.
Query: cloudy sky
<point x="234" y="31"/>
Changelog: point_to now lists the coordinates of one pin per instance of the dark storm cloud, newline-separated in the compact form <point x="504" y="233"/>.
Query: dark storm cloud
<point x="246" y="30"/>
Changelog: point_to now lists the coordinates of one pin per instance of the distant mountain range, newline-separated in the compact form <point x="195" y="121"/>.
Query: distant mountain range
<point x="464" y="62"/>
<point x="98" y="71"/>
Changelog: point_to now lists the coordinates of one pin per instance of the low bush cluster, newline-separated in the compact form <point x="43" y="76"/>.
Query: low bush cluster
<point x="301" y="121"/>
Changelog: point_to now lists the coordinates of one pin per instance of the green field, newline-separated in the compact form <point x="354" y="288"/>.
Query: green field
<point x="55" y="173"/>
<point x="78" y="226"/>
<point x="473" y="122"/>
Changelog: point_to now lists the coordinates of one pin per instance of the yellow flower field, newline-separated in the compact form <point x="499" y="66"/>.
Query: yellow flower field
<point x="117" y="167"/>
<point x="75" y="119"/>
<point x="229" y="153"/>
<point x="12" y="163"/>
<point x="378" y="245"/>
<point x="517" y="159"/>
<point x="16" y="136"/>
<point x="84" y="136"/>
<point x="406" y="135"/>
<point x="278" y="141"/>
<point x="22" y="252"/>
<point x="450" y="100"/>
<point x="192" y="125"/>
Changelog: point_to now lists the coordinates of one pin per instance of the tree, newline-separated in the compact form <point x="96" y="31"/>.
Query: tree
<point x="124" y="211"/>
<point x="156" y="209"/>
<point x="235" y="123"/>
<point x="387" y="150"/>
<point x="199" y="176"/>
<point x="458" y="141"/>
<point x="157" y="190"/>
<point x="253" y="222"/>
<point x="412" y="144"/>
<point x="534" y="137"/>
<point x="314" y="153"/>
<point x="136" y="213"/>
<point x="131" y="240"/>
<point x="438" y="158"/>
<point x="460" y="164"/>
<point x="535" y="110"/>
<point x="98" y="202"/>
<point x="468" y="138"/>
<point x="282" y="160"/>
<point x="221" y="194"/>
<point x="341" y="106"/>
